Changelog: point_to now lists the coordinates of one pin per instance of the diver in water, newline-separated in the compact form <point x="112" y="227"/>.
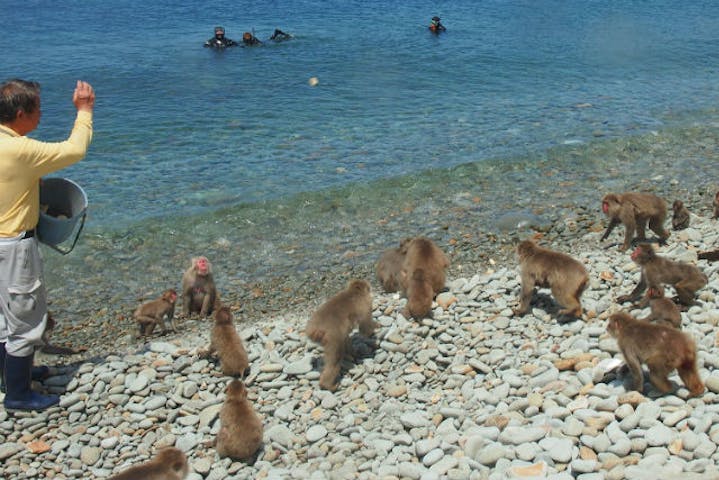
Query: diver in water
<point x="436" y="26"/>
<point x="219" y="40"/>
<point x="250" y="40"/>
<point x="279" y="35"/>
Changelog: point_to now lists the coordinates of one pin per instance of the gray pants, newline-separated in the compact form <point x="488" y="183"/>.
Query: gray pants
<point x="23" y="301"/>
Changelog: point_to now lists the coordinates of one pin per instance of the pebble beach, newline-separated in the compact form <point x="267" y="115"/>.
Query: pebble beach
<point x="471" y="393"/>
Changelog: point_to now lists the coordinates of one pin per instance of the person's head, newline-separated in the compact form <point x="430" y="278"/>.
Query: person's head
<point x="247" y="37"/>
<point x="435" y="20"/>
<point x="219" y="32"/>
<point x="20" y="105"/>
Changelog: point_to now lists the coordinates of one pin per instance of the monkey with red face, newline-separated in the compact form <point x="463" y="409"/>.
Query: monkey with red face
<point x="198" y="288"/>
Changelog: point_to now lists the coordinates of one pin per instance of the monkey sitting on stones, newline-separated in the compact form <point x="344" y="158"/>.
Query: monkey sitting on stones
<point x="331" y="324"/>
<point x="199" y="293"/>
<point x="545" y="268"/>
<point x="680" y="217"/>
<point x="659" y="271"/>
<point x="634" y="210"/>
<point x="228" y="345"/>
<point x="661" y="347"/>
<point x="389" y="267"/>
<point x="663" y="310"/>
<point x="169" y="464"/>
<point x="240" y="434"/>
<point x="153" y="313"/>
<point x="422" y="276"/>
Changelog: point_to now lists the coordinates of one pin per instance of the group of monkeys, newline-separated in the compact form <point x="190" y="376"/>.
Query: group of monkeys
<point x="417" y="269"/>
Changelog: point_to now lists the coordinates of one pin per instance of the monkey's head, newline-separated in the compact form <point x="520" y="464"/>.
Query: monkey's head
<point x="616" y="323"/>
<point x="525" y="249"/>
<point x="175" y="459"/>
<point x="237" y="390"/>
<point x="169" y="295"/>
<point x="608" y="202"/>
<point x="202" y="265"/>
<point x="404" y="244"/>
<point x="677" y="205"/>
<point x="359" y="286"/>
<point x="223" y="316"/>
<point x="643" y="253"/>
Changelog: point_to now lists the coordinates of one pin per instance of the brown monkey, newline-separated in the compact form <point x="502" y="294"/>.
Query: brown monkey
<point x="715" y="204"/>
<point x="240" y="434"/>
<point x="227" y="343"/>
<point x="659" y="271"/>
<point x="423" y="275"/>
<point x="153" y="313"/>
<point x="198" y="288"/>
<point x="661" y="347"/>
<point x="634" y="210"/>
<point x="680" y="217"/>
<point x="389" y="267"/>
<point x="546" y="268"/>
<point x="663" y="310"/>
<point x="419" y="294"/>
<point x="332" y="323"/>
<point x="169" y="464"/>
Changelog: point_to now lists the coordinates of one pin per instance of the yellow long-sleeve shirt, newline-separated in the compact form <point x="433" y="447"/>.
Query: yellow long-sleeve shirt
<point x="23" y="161"/>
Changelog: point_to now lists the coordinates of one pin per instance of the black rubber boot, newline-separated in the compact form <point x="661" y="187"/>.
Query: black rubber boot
<point x="38" y="373"/>
<point x="19" y="396"/>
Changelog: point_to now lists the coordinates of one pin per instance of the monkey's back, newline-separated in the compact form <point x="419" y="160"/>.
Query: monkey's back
<point x="241" y="430"/>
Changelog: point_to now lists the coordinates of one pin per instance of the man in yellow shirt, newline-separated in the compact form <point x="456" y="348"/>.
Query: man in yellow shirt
<point x="23" y="161"/>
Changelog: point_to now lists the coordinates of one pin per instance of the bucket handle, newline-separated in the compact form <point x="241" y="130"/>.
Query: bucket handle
<point x="77" y="237"/>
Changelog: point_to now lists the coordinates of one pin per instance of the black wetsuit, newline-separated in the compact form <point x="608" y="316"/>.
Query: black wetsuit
<point x="279" y="35"/>
<point x="252" y="41"/>
<point x="220" y="42"/>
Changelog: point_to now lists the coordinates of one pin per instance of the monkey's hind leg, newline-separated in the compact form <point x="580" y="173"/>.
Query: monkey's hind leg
<point x="333" y="364"/>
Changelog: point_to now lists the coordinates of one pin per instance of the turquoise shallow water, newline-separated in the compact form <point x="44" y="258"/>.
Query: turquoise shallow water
<point x="233" y="154"/>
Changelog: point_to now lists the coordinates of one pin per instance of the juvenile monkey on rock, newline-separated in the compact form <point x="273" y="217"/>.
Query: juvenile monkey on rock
<point x="680" y="216"/>
<point x="545" y="268"/>
<point x="661" y="347"/>
<point x="240" y="434"/>
<point x="169" y="464"/>
<point x="332" y="323"/>
<point x="422" y="276"/>
<point x="663" y="309"/>
<point x="389" y="267"/>
<point x="153" y="313"/>
<point x="228" y="345"/>
<point x="659" y="271"/>
<point x="634" y="210"/>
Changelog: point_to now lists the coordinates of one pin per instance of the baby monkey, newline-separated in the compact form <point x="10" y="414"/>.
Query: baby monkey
<point x="153" y="313"/>
<point x="169" y="464"/>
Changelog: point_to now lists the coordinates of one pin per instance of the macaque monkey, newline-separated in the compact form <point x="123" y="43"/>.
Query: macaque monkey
<point x="715" y="204"/>
<point x="680" y="217"/>
<point x="389" y="267"/>
<point x="423" y="275"/>
<point x="659" y="271"/>
<point x="198" y="288"/>
<point x="332" y="323"/>
<point x="634" y="210"/>
<point x="169" y="464"/>
<point x="227" y="343"/>
<point x="153" y="313"/>
<point x="545" y="268"/>
<point x="663" y="310"/>
<point x="240" y="434"/>
<point x="661" y="347"/>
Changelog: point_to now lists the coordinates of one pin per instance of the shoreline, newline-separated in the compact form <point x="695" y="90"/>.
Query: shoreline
<point x="473" y="392"/>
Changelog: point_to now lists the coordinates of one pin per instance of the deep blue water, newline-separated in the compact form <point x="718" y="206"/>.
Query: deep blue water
<point x="180" y="128"/>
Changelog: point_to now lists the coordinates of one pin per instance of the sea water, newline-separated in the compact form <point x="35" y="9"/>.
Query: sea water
<point x="234" y="154"/>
